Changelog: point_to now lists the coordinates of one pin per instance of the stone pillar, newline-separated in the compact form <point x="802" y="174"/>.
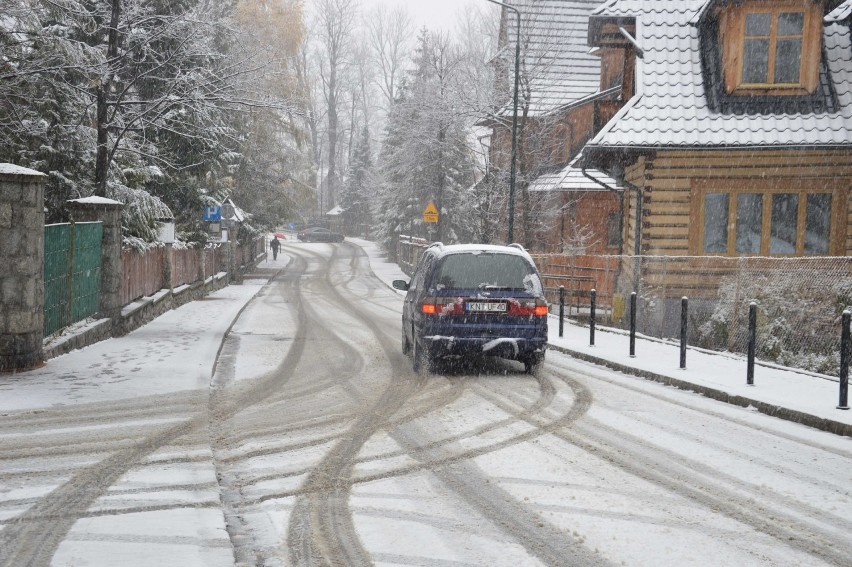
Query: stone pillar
<point x="22" y="276"/>
<point x="108" y="212"/>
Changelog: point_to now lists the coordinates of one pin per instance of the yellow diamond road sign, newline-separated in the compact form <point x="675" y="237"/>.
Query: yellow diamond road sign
<point x="430" y="213"/>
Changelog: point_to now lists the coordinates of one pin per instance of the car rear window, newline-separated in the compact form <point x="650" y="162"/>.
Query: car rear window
<point x="487" y="271"/>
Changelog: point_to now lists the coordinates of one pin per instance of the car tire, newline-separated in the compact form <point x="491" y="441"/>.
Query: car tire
<point x="406" y="346"/>
<point x="533" y="362"/>
<point x="421" y="357"/>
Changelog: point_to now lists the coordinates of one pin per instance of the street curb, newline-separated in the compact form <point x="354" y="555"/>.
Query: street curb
<point x="787" y="414"/>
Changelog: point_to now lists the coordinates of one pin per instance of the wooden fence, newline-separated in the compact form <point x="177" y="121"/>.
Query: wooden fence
<point x="186" y="266"/>
<point x="579" y="275"/>
<point x="214" y="260"/>
<point x="143" y="272"/>
<point x="408" y="252"/>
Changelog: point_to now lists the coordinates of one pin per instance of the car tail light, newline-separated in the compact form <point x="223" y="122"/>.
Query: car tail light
<point x="443" y="306"/>
<point x="528" y="308"/>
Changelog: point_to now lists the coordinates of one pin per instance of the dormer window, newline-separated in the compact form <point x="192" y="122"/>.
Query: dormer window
<point x="771" y="48"/>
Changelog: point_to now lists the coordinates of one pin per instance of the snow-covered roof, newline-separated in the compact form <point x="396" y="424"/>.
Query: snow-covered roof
<point x="336" y="211"/>
<point x="95" y="201"/>
<point x="12" y="169"/>
<point x="555" y="54"/>
<point x="571" y="178"/>
<point x="671" y="109"/>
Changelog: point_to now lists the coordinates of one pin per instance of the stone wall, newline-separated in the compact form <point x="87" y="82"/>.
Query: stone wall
<point x="22" y="276"/>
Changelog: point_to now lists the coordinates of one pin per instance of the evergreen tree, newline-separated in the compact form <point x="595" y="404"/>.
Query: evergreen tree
<point x="425" y="156"/>
<point x="359" y="187"/>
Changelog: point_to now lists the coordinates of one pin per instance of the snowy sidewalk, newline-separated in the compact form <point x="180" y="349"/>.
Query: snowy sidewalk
<point x="165" y="508"/>
<point x="784" y="392"/>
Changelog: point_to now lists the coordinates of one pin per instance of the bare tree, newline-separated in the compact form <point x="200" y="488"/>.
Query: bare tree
<point x="389" y="32"/>
<point x="335" y="28"/>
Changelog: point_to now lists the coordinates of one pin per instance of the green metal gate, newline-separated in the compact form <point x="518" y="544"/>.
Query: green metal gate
<point x="72" y="273"/>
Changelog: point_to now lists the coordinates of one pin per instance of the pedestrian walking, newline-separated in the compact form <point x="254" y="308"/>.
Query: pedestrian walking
<point x="275" y="244"/>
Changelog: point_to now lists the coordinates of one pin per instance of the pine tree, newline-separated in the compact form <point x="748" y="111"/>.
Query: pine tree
<point x="425" y="156"/>
<point x="357" y="193"/>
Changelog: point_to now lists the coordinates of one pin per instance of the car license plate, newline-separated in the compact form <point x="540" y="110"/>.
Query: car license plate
<point x="483" y="307"/>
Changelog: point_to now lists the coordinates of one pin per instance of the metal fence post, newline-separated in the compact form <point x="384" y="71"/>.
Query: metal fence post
<point x="70" y="312"/>
<point x="752" y="339"/>
<point x="684" y="309"/>
<point x="592" y="317"/>
<point x="845" y="348"/>
<point x="633" y="324"/>
<point x="561" y="309"/>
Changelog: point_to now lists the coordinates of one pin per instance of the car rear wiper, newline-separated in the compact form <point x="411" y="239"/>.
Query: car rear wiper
<point x="488" y="287"/>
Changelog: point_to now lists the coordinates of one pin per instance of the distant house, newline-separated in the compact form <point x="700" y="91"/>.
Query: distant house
<point x="337" y="220"/>
<point x="562" y="103"/>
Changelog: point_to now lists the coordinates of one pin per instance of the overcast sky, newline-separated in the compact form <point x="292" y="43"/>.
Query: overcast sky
<point x="433" y="14"/>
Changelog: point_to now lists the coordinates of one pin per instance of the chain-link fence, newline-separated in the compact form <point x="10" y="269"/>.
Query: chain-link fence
<point x="800" y="300"/>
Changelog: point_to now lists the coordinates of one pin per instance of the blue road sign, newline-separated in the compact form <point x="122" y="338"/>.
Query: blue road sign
<point x="213" y="214"/>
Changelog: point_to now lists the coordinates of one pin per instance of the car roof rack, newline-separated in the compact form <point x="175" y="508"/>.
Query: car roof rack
<point x="436" y="245"/>
<point x="518" y="246"/>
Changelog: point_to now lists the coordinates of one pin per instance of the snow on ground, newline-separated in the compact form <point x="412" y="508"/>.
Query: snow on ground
<point x="177" y="351"/>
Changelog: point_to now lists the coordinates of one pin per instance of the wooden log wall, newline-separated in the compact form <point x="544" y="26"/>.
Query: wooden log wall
<point x="668" y="178"/>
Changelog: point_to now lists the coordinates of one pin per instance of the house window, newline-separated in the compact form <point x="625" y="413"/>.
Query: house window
<point x="771" y="48"/>
<point x="783" y="233"/>
<point x="774" y="219"/>
<point x="716" y="223"/>
<point x="817" y="224"/>
<point x="749" y="223"/>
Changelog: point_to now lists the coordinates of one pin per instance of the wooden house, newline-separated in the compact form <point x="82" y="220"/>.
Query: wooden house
<point x="734" y="138"/>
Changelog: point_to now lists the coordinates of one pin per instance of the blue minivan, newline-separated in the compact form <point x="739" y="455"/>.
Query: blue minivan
<point x="474" y="299"/>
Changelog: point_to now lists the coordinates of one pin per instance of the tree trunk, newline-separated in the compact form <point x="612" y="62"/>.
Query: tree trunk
<point x="332" y="136"/>
<point x="102" y="99"/>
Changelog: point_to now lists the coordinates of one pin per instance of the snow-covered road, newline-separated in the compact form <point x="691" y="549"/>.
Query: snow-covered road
<point x="352" y="459"/>
<point x="315" y="444"/>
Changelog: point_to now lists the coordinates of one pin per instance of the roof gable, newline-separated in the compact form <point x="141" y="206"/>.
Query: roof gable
<point x="672" y="109"/>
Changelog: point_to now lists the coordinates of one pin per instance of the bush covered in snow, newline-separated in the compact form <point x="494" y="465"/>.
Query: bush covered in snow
<point x="798" y="316"/>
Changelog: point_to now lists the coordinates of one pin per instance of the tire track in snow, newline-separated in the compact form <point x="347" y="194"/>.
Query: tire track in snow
<point x="32" y="537"/>
<point x="321" y="530"/>
<point x="714" y="490"/>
